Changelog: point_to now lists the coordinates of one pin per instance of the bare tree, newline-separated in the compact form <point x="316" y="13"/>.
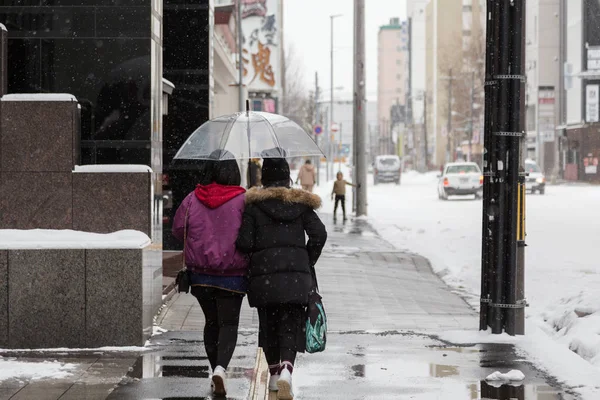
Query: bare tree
<point x="296" y="102"/>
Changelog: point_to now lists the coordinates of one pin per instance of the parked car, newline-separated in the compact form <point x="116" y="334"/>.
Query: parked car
<point x="535" y="181"/>
<point x="460" y="179"/>
<point x="387" y="169"/>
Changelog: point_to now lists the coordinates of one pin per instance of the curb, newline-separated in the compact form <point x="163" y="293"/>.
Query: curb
<point x="259" y="387"/>
<point x="169" y="292"/>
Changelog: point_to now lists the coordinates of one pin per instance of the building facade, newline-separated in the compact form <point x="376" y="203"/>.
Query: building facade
<point x="454" y="65"/>
<point x="392" y="81"/>
<point x="110" y="58"/>
<point x="543" y="82"/>
<point x="416" y="129"/>
<point x="580" y="147"/>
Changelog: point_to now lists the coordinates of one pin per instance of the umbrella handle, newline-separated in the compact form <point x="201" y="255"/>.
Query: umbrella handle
<point x="247" y="106"/>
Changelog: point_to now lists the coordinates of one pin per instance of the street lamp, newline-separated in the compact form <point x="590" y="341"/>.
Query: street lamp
<point x="329" y="163"/>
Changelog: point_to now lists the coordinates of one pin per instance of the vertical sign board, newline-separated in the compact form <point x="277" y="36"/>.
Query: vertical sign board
<point x="262" y="33"/>
<point x="593" y="58"/>
<point x="546" y="121"/>
<point x="591" y="103"/>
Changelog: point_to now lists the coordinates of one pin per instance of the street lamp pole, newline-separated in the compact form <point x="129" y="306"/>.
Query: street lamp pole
<point x="240" y="55"/>
<point x="331" y="120"/>
<point x="471" y="116"/>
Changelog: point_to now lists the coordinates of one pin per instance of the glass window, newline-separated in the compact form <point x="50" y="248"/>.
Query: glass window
<point x="532" y="167"/>
<point x="462" y="169"/>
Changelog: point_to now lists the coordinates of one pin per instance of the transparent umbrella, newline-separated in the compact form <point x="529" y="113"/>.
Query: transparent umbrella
<point x="248" y="135"/>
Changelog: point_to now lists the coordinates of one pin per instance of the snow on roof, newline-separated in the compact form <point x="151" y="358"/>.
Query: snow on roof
<point x="168" y="82"/>
<point x="40" y="239"/>
<point x="3" y="27"/>
<point x="109" y="168"/>
<point x="39" y="97"/>
<point x="168" y="86"/>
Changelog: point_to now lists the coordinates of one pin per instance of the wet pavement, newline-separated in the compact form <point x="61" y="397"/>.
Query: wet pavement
<point x="414" y="366"/>
<point x="93" y="376"/>
<point x="179" y="369"/>
<point x="385" y="308"/>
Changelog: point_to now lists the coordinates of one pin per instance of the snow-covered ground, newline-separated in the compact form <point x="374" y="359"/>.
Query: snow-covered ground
<point x="562" y="265"/>
<point x="11" y="368"/>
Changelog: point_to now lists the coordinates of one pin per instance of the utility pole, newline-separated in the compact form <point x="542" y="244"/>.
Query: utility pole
<point x="449" y="122"/>
<point x="503" y="226"/>
<point x="359" y="107"/>
<point x="340" y="148"/>
<point x="331" y="120"/>
<point x="471" y="116"/>
<point x="317" y="122"/>
<point x="242" y="101"/>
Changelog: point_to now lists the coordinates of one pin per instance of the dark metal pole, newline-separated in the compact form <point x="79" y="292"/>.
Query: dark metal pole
<point x="490" y="208"/>
<point x="503" y="217"/>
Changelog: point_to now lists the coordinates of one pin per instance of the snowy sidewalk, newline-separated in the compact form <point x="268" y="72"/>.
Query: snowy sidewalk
<point x="385" y="307"/>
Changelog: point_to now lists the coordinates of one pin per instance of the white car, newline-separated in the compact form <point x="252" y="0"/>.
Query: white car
<point x="460" y="179"/>
<point x="535" y="181"/>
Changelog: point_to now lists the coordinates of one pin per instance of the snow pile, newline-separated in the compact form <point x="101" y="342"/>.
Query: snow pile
<point x="537" y="347"/>
<point x="39" y="97"/>
<point x="10" y="368"/>
<point x="37" y="239"/>
<point x="108" y="168"/>
<point x="512" y="376"/>
<point x="575" y="322"/>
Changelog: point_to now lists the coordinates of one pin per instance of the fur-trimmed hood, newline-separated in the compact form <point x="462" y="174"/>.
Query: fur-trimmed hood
<point x="281" y="203"/>
<point x="288" y="196"/>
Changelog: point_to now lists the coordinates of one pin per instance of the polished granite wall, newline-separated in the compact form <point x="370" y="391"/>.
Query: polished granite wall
<point x="53" y="48"/>
<point x="72" y="298"/>
<point x="3" y="298"/>
<point x="3" y="60"/>
<point x="108" y="54"/>
<point x="38" y="150"/>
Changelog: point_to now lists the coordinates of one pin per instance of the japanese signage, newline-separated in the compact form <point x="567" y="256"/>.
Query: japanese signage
<point x="591" y="103"/>
<point x="593" y="58"/>
<point x="591" y="164"/>
<point x="546" y="115"/>
<point x="262" y="44"/>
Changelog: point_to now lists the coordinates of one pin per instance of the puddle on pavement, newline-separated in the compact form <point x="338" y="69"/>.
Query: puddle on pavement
<point x="484" y="356"/>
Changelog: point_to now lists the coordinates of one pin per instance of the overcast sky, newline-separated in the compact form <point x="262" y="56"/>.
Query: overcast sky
<point x="307" y="29"/>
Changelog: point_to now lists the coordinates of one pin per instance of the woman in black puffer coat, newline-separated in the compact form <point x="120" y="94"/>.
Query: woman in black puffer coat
<point x="273" y="230"/>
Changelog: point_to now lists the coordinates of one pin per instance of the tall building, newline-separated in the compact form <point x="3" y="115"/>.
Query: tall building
<point x="455" y="61"/>
<point x="543" y="82"/>
<point x="417" y="77"/>
<point x="580" y="146"/>
<point x="392" y="81"/>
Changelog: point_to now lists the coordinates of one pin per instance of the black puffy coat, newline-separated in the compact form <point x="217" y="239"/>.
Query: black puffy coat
<point x="273" y="232"/>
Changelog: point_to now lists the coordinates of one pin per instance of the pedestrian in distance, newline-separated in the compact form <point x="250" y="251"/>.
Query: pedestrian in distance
<point x="208" y="222"/>
<point x="307" y="176"/>
<point x="273" y="232"/>
<point x="339" y="194"/>
<point x="254" y="168"/>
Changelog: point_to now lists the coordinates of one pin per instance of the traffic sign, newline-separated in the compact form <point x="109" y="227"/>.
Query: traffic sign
<point x="335" y="127"/>
<point x="318" y="129"/>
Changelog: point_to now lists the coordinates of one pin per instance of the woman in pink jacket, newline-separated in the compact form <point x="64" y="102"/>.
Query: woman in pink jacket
<point x="208" y="221"/>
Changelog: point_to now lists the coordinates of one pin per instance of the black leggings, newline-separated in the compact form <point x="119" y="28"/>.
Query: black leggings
<point x="339" y="198"/>
<point x="280" y="334"/>
<point x="222" y="314"/>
